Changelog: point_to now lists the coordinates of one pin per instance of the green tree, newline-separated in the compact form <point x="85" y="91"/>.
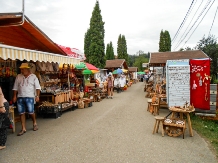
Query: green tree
<point x="119" y="47"/>
<point x="122" y="48"/>
<point x="165" y="41"/>
<point x="161" y="42"/>
<point x="138" y="62"/>
<point x="210" y="47"/>
<point x="109" y="52"/>
<point x="96" y="50"/>
<point x="87" y="42"/>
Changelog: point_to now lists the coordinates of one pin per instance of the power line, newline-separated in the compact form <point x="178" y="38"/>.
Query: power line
<point x="213" y="21"/>
<point x="194" y="22"/>
<point x="181" y="25"/>
<point x="199" y="22"/>
<point x="189" y="24"/>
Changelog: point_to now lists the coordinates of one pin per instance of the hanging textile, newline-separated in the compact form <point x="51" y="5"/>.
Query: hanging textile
<point x="200" y="83"/>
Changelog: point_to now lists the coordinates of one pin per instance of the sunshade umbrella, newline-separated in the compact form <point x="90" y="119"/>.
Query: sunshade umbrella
<point x="87" y="72"/>
<point x="94" y="71"/>
<point x="114" y="72"/>
<point x="82" y="65"/>
<point x="91" y="67"/>
<point x="124" y="70"/>
<point x="140" y="73"/>
<point x="119" y="71"/>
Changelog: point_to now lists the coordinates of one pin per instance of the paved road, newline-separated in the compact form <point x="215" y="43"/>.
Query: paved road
<point x="115" y="130"/>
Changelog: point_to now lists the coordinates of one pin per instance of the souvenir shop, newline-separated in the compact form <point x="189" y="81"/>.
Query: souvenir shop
<point x="183" y="86"/>
<point x="60" y="81"/>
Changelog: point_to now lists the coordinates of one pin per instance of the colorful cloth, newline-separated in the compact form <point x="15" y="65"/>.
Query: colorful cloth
<point x="200" y="84"/>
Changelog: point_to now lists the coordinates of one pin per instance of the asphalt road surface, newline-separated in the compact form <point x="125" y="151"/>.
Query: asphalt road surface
<point x="117" y="130"/>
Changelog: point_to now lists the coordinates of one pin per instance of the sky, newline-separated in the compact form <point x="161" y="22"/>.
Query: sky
<point x="141" y="21"/>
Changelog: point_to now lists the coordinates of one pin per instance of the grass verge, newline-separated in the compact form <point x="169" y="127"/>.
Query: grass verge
<point x="208" y="129"/>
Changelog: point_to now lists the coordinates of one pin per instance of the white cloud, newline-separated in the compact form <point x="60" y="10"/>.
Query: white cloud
<point x="141" y="21"/>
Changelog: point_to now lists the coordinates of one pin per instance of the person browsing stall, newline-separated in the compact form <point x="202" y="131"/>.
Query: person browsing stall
<point x="110" y="85"/>
<point x="4" y="111"/>
<point x="26" y="92"/>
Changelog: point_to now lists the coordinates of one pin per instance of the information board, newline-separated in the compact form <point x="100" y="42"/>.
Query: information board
<point x="178" y="82"/>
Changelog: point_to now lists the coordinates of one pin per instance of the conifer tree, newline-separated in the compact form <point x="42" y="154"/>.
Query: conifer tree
<point x="161" y="42"/>
<point x="165" y="41"/>
<point x="122" y="48"/>
<point x="107" y="56"/>
<point x="87" y="42"/>
<point x="96" y="50"/>
<point x="119" y="47"/>
<point x="111" y="51"/>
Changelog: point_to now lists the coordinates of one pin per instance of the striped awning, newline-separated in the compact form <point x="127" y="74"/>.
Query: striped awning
<point x="13" y="53"/>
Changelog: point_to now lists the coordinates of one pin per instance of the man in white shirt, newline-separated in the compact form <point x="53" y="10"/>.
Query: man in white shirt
<point x="26" y="92"/>
<point x="117" y="84"/>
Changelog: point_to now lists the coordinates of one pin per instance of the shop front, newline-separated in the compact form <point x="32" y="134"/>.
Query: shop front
<point x="54" y="71"/>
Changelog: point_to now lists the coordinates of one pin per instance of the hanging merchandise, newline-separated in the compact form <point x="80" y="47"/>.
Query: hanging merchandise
<point x="8" y="68"/>
<point x="200" y="82"/>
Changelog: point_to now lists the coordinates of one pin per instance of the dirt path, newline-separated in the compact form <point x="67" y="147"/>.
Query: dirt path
<point x="115" y="130"/>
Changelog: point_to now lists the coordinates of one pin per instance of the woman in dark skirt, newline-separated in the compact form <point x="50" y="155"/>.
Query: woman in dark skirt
<point x="4" y="111"/>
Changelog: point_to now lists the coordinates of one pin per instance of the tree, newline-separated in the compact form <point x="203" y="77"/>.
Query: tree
<point x="87" y="42"/>
<point x="186" y="49"/>
<point x="138" y="62"/>
<point x="109" y="52"/>
<point x="165" y="41"/>
<point x="210" y="47"/>
<point x="119" y="47"/>
<point x="95" y="39"/>
<point x="107" y="55"/>
<point x="122" y="48"/>
<point x="161" y="42"/>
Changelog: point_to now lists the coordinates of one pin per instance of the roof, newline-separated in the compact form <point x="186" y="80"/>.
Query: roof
<point x="162" y="57"/>
<point x="133" y="69"/>
<point x="116" y="63"/>
<point x="28" y="36"/>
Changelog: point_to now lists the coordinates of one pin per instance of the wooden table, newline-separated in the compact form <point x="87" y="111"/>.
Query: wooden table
<point x="183" y="112"/>
<point x="161" y="96"/>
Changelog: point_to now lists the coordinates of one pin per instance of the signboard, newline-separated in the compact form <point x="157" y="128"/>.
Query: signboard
<point x="178" y="82"/>
<point x="145" y="64"/>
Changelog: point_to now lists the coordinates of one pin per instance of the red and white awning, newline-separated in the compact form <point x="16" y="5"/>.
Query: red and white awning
<point x="73" y="52"/>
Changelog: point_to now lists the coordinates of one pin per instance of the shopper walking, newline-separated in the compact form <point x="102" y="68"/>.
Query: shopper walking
<point x="110" y="85"/>
<point x="4" y="120"/>
<point x="26" y="92"/>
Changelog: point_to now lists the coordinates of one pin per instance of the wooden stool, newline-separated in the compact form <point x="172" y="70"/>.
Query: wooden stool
<point x="155" y="109"/>
<point x="158" y="119"/>
<point x="149" y="105"/>
<point x="155" y="105"/>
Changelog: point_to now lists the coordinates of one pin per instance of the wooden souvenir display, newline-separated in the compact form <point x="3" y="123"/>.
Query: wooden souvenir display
<point x="175" y="126"/>
<point x="48" y="108"/>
